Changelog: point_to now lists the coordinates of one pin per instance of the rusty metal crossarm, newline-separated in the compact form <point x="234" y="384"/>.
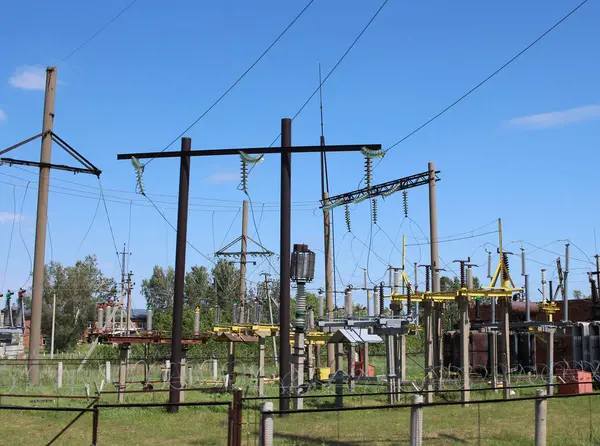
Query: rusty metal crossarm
<point x="418" y="179"/>
<point x="11" y="161"/>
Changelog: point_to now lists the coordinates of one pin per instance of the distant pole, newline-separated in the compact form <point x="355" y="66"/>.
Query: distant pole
<point x="270" y="316"/>
<point x="566" y="286"/>
<point x="127" y="329"/>
<point x="433" y="230"/>
<point x="40" y="228"/>
<point x="182" y="217"/>
<point x="53" y="325"/>
<point x="243" y="258"/>
<point x="285" y="378"/>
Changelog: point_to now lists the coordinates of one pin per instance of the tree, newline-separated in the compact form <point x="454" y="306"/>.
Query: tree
<point x="579" y="295"/>
<point x="78" y="289"/>
<point x="226" y="284"/>
<point x="159" y="289"/>
<point x="198" y="290"/>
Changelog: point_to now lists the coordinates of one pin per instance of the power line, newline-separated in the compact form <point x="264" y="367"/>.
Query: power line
<point x="489" y="77"/>
<point x="12" y="229"/>
<point x="112" y="234"/>
<point x="238" y="80"/>
<point x="89" y="39"/>
<point x="23" y="239"/>
<point x="336" y="65"/>
<point x="90" y="226"/>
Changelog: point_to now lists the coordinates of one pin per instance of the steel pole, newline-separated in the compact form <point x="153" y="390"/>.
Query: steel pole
<point x="182" y="216"/>
<point x="328" y="280"/>
<point x="284" y="265"/>
<point x="40" y="228"/>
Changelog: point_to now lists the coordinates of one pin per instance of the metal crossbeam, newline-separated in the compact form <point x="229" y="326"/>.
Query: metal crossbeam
<point x="252" y="151"/>
<point x="390" y="187"/>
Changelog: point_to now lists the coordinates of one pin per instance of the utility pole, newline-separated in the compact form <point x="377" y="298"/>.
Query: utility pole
<point x="433" y="229"/>
<point x="123" y="282"/>
<point x="182" y="217"/>
<point x="284" y="266"/>
<point x="244" y="243"/>
<point x="129" y="285"/>
<point x="566" y="286"/>
<point x="267" y="281"/>
<point x="40" y="227"/>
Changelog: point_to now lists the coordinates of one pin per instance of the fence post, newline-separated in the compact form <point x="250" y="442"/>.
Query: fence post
<point x="236" y="418"/>
<point x="541" y="412"/>
<point x="95" y="422"/>
<point x="59" y="375"/>
<point x="416" y="421"/>
<point x="266" y="424"/>
<point x="107" y="372"/>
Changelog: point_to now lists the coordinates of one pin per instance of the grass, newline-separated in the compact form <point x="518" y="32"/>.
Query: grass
<point x="570" y="421"/>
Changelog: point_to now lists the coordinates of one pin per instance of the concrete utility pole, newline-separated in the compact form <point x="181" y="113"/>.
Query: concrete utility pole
<point x="267" y="281"/>
<point x="328" y="280"/>
<point x="129" y="285"/>
<point x="244" y="243"/>
<point x="433" y="230"/>
<point x="40" y="227"/>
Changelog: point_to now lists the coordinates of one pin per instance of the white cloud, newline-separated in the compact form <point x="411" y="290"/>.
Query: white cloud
<point x="8" y="217"/>
<point x="3" y="115"/>
<point x="557" y="118"/>
<point x="223" y="177"/>
<point x="29" y="77"/>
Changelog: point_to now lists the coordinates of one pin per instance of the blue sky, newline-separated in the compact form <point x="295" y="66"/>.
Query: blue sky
<point x="521" y="148"/>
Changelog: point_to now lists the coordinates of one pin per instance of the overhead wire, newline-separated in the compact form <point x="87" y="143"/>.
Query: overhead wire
<point x="480" y="84"/>
<point x="340" y="60"/>
<point x="112" y="234"/>
<point x="89" y="39"/>
<point x="23" y="239"/>
<point x="90" y="225"/>
<point x="238" y="80"/>
<point x="12" y="230"/>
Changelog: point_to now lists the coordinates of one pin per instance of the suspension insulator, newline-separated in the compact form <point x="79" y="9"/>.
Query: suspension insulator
<point x="408" y="301"/>
<point x="463" y="281"/>
<point x="506" y="268"/>
<point x="347" y="214"/>
<point x="368" y="169"/>
<point x="374" y="211"/>
<point x="405" y="202"/>
<point x="381" y="302"/>
<point x="244" y="176"/>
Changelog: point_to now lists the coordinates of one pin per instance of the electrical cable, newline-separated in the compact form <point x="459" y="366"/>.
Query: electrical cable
<point x="90" y="226"/>
<point x="336" y="65"/>
<point x="476" y="87"/>
<point x="129" y="229"/>
<point x="230" y="226"/>
<point x="239" y="79"/>
<point x="490" y="76"/>
<point x="89" y="39"/>
<point x="23" y="239"/>
<point x="112" y="234"/>
<point x="257" y="231"/>
<point x="12" y="230"/>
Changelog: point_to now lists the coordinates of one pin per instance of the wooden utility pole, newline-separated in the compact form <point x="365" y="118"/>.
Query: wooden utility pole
<point x="244" y="243"/>
<point x="40" y="227"/>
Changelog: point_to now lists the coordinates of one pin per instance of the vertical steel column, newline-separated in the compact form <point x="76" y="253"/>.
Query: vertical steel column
<point x="427" y="326"/>
<point x="504" y="303"/>
<point x="284" y="266"/>
<point x="433" y="228"/>
<point x="464" y="348"/>
<point x="244" y="249"/>
<point x="182" y="217"/>
<point x="550" y="359"/>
